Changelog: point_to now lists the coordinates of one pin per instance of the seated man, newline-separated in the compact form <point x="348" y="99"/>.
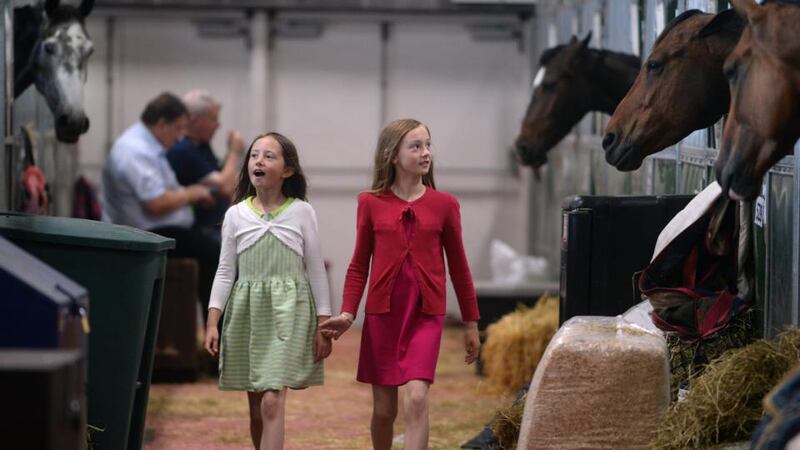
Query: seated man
<point x="194" y="161"/>
<point x="140" y="189"/>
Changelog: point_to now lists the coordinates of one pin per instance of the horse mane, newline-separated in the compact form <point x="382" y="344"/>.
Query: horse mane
<point x="683" y="16"/>
<point x="625" y="58"/>
<point x="550" y="53"/>
<point x="598" y="54"/>
<point x="64" y="13"/>
<point x="782" y="2"/>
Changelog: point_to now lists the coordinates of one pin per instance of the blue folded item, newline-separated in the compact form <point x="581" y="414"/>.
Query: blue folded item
<point x="781" y="422"/>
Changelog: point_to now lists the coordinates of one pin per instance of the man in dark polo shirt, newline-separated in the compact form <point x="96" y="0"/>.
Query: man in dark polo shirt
<point x="194" y="161"/>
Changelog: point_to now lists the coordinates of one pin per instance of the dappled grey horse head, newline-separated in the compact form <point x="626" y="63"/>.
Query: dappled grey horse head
<point x="56" y="61"/>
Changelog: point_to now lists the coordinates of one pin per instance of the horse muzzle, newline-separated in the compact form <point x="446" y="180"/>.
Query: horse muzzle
<point x="735" y="167"/>
<point x="623" y="157"/>
<point x="70" y="128"/>
<point x="736" y="185"/>
<point x="530" y="156"/>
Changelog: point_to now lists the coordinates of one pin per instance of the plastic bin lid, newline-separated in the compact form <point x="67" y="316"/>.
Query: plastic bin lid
<point x="26" y="360"/>
<point x="31" y="271"/>
<point x="80" y="232"/>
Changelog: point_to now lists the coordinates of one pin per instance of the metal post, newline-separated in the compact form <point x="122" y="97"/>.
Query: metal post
<point x="796" y="238"/>
<point x="384" y="72"/>
<point x="6" y="81"/>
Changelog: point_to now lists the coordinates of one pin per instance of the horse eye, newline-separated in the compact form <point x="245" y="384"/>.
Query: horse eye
<point x="730" y="72"/>
<point x="548" y="86"/>
<point x="654" y="66"/>
<point x="50" y="47"/>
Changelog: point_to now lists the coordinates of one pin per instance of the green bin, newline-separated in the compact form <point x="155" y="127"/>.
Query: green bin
<point x="123" y="270"/>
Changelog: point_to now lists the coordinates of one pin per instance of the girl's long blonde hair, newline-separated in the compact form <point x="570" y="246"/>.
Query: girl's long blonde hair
<point x="389" y="140"/>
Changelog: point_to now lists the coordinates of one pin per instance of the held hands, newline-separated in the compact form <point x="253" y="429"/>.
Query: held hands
<point x="472" y="343"/>
<point x="336" y="326"/>
<point x="322" y="346"/>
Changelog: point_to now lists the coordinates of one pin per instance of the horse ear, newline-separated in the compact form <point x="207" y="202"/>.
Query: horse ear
<point x="573" y="40"/>
<point x="548" y="55"/>
<point x="727" y="20"/>
<point x="86" y="7"/>
<point x="586" y="40"/>
<point x="50" y="7"/>
<point x="745" y="8"/>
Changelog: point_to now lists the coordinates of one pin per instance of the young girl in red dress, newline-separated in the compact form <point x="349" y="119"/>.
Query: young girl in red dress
<point x="403" y="226"/>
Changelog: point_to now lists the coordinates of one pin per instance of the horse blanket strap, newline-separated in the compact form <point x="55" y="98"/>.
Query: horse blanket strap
<point x="85" y="204"/>
<point x="691" y="281"/>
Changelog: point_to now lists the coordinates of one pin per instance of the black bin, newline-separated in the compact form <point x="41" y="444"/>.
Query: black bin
<point x="604" y="242"/>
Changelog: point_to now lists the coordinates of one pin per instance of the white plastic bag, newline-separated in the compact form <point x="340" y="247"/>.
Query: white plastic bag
<point x="509" y="267"/>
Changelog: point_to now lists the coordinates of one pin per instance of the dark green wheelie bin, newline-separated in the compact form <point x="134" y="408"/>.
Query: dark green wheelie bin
<point x="123" y="270"/>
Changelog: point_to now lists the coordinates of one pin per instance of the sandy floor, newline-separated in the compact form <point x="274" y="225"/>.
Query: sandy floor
<point x="198" y="416"/>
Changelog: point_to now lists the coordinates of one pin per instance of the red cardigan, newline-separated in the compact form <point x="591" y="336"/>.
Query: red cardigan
<point x="380" y="236"/>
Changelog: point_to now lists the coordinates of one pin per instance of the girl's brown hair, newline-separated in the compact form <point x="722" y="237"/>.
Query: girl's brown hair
<point x="294" y="186"/>
<point x="389" y="140"/>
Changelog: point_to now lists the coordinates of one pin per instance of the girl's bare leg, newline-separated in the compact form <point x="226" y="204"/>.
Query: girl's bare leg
<point x="273" y="413"/>
<point x="256" y="426"/>
<point x="384" y="411"/>
<point x="415" y="412"/>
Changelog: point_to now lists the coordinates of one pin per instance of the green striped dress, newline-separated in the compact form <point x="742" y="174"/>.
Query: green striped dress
<point x="270" y="320"/>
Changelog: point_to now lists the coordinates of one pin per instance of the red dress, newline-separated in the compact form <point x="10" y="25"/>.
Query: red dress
<point x="403" y="344"/>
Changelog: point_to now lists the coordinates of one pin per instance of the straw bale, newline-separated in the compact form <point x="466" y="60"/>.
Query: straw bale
<point x="515" y="344"/>
<point x="724" y="402"/>
<point x="602" y="383"/>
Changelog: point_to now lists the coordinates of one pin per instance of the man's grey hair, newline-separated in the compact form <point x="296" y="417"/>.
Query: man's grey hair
<point x="199" y="101"/>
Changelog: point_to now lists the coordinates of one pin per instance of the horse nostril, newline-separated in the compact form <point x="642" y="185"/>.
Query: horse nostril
<point x="609" y="140"/>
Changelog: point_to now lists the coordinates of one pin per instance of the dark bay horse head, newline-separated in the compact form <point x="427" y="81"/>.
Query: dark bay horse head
<point x="51" y="48"/>
<point x="572" y="81"/>
<point x="679" y="89"/>
<point x="763" y="121"/>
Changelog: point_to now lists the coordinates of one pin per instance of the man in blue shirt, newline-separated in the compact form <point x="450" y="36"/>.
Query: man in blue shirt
<point x="194" y="162"/>
<point x="140" y="188"/>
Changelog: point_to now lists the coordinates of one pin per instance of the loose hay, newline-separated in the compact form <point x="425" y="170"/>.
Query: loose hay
<point x="506" y="424"/>
<point x="688" y="359"/>
<point x="515" y="344"/>
<point x="723" y="403"/>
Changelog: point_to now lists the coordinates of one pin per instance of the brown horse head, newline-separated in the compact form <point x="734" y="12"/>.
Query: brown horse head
<point x="764" y="76"/>
<point x="679" y="89"/>
<point x="572" y="80"/>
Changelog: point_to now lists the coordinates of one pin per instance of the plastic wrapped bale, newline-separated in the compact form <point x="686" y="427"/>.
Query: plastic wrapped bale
<point x="602" y="383"/>
<point x="515" y="344"/>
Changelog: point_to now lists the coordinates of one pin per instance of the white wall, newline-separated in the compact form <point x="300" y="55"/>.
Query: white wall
<point x="325" y="94"/>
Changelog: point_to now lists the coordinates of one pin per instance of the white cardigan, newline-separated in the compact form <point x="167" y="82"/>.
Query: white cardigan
<point x="295" y="226"/>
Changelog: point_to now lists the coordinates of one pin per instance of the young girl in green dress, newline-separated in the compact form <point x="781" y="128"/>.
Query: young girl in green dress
<point x="271" y="283"/>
